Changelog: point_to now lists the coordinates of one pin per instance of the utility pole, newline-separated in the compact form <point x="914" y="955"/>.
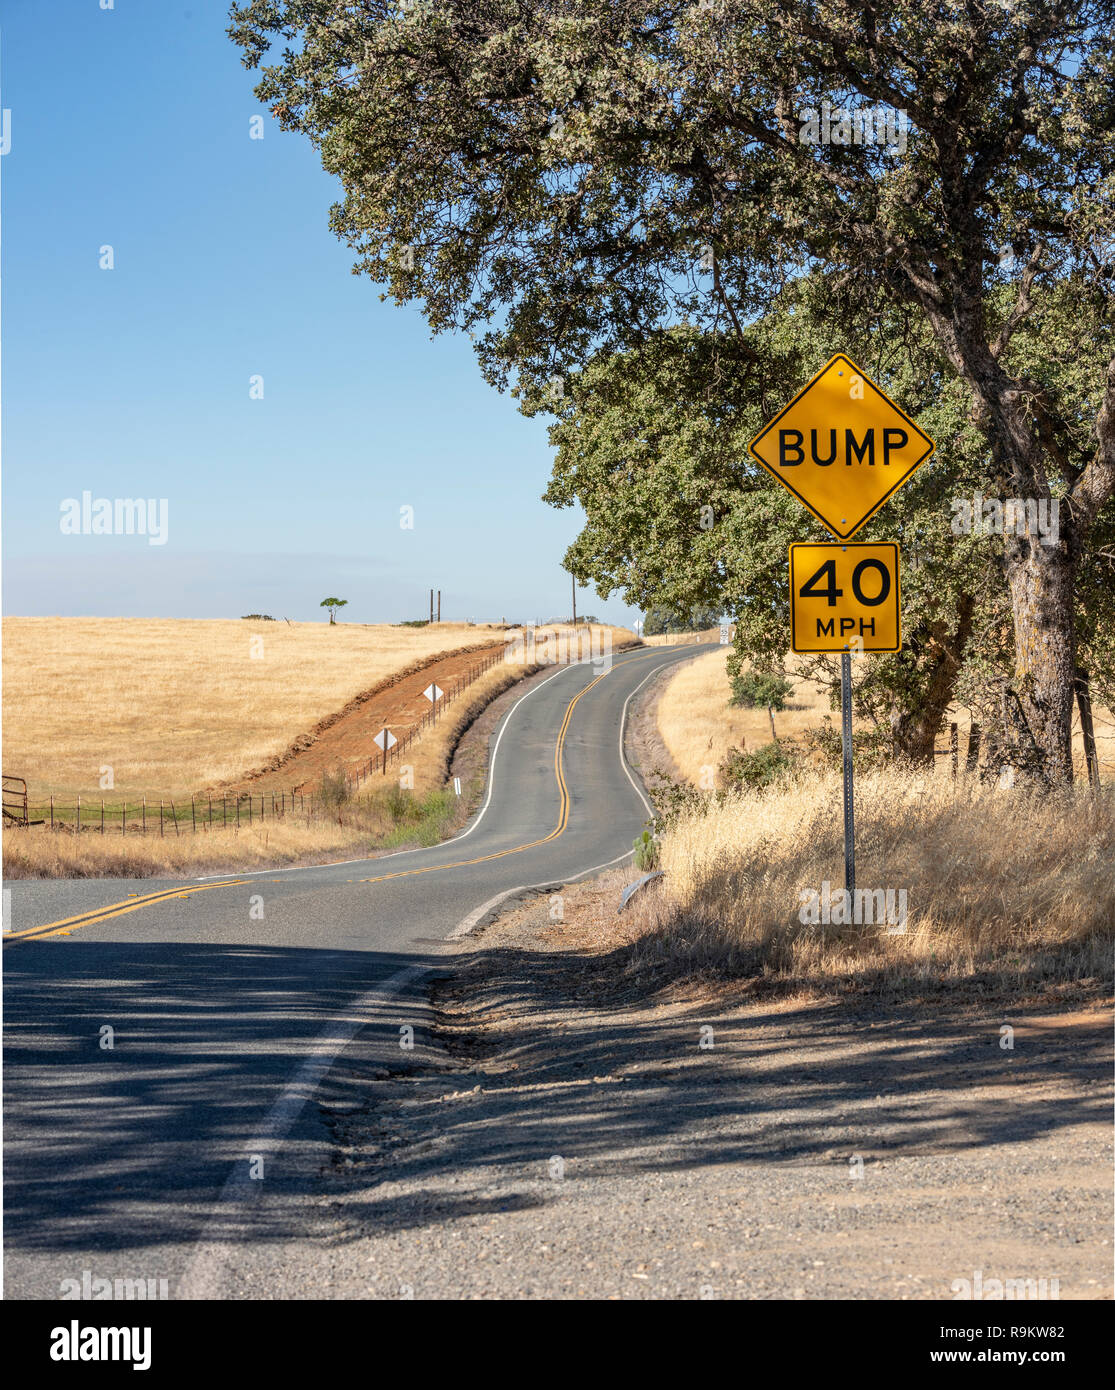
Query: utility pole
<point x="431" y="605"/>
<point x="574" y="600"/>
<point x="439" y="605"/>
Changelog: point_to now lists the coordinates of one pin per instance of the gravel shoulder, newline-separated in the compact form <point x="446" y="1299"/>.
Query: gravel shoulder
<point x="560" y="1135"/>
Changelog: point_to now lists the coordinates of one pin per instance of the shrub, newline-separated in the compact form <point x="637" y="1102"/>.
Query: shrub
<point x="757" y="770"/>
<point x="646" y="852"/>
<point x="758" y="690"/>
<point x="334" y="792"/>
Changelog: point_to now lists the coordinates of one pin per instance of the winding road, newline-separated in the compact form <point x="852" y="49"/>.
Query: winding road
<point x="163" y="1038"/>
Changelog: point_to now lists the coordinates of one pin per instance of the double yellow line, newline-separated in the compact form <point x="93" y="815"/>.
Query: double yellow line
<point x="102" y="914"/>
<point x="563" y="809"/>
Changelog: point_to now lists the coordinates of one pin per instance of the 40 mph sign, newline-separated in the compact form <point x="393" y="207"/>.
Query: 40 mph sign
<point x="841" y="446"/>
<point x="844" y="598"/>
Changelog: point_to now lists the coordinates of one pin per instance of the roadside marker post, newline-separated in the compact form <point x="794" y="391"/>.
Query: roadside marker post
<point x="433" y="693"/>
<point x="843" y="448"/>
<point x="386" y="740"/>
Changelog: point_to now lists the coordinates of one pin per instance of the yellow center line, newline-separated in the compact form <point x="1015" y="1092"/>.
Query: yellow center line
<point x="102" y="914"/>
<point x="563" y="812"/>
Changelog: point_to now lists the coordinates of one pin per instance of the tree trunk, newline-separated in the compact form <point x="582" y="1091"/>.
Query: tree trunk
<point x="1041" y="581"/>
<point x="915" y="724"/>
<point x="1013" y="417"/>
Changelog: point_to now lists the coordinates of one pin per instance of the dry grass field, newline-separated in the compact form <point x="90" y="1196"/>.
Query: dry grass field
<point x="174" y="705"/>
<point x="997" y="883"/>
<point x="698" y="726"/>
<point x="367" y="823"/>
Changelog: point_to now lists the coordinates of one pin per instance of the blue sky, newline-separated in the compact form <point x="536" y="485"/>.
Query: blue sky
<point x="130" y="128"/>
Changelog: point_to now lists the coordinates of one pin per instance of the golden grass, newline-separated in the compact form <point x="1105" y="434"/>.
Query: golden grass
<point x="999" y="882"/>
<point x="172" y="705"/>
<point x="37" y="852"/>
<point x="698" y="726"/>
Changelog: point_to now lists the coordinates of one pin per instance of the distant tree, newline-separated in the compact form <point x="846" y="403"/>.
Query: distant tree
<point x="333" y="604"/>
<point x="759" y="690"/>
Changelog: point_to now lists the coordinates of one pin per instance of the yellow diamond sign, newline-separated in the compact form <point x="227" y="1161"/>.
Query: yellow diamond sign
<point x="842" y="446"/>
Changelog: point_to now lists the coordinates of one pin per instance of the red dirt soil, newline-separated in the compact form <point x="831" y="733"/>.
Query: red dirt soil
<point x="345" y="739"/>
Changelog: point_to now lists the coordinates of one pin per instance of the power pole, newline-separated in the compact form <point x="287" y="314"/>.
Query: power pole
<point x="574" y="600"/>
<point x="439" y="605"/>
<point x="431" y="605"/>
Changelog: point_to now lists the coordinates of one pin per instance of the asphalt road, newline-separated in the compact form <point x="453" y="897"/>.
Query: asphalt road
<point x="233" y="1001"/>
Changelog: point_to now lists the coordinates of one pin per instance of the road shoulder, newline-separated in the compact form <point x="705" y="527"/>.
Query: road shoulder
<point x="574" y="1134"/>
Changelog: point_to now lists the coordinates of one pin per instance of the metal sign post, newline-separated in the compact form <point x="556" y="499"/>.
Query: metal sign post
<point x="849" y="801"/>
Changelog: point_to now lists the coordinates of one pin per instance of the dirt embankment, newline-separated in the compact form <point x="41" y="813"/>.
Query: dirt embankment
<point x="345" y="739"/>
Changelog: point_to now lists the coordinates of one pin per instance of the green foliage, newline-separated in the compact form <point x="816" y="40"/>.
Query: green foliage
<point x="646" y="852"/>
<point x="622" y="206"/>
<point x="413" y="622"/>
<point x="423" y="818"/>
<point x="333" y="604"/>
<point x="695" y="619"/>
<point x="759" y="769"/>
<point x="257" y="618"/>
<point x="870" y="747"/>
<point x="758" y="690"/>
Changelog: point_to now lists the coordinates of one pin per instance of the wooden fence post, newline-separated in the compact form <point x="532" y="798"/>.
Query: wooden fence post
<point x="1087" y="728"/>
<point x="971" y="761"/>
<point x="954" y="749"/>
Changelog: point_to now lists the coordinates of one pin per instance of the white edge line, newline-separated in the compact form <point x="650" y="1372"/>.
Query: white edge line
<point x="203" y="1273"/>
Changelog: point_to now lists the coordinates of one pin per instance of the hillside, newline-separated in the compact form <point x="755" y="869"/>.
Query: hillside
<point x="172" y="705"/>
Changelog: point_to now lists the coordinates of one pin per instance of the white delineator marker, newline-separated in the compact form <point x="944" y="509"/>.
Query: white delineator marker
<point x="385" y="740"/>
<point x="433" y="693"/>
